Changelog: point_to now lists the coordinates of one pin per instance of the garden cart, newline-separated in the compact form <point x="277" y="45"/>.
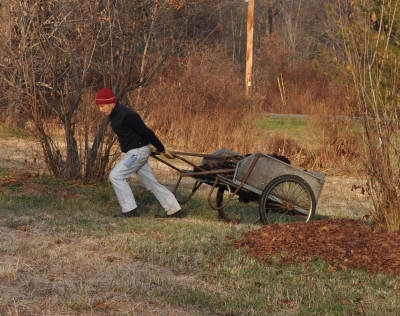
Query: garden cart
<point x="282" y="192"/>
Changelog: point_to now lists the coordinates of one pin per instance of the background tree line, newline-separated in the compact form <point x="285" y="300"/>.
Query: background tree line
<point x="56" y="54"/>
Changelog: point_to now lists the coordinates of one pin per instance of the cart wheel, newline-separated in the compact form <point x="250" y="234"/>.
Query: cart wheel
<point x="218" y="202"/>
<point x="286" y="199"/>
<point x="236" y="211"/>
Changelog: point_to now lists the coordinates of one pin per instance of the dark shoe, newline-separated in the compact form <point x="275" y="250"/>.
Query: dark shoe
<point x="133" y="213"/>
<point x="174" y="215"/>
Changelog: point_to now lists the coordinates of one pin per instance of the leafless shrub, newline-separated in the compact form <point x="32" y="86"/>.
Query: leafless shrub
<point x="58" y="53"/>
<point x="200" y="105"/>
<point x="364" y="58"/>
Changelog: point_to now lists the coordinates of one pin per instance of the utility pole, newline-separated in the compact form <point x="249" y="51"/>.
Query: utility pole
<point x="249" y="50"/>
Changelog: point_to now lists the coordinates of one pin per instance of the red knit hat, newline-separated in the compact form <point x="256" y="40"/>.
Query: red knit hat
<point x="105" y="96"/>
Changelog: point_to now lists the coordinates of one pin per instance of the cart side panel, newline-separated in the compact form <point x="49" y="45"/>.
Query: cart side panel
<point x="268" y="168"/>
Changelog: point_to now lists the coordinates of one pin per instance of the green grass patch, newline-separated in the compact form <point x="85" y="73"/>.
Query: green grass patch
<point x="291" y="126"/>
<point x="14" y="131"/>
<point x="305" y="133"/>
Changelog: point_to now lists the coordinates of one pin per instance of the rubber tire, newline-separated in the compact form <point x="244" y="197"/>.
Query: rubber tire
<point x="219" y="201"/>
<point x="293" y="190"/>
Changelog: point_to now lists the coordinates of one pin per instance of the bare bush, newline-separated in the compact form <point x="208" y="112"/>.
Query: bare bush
<point x="289" y="148"/>
<point x="364" y="57"/>
<point x="58" y="53"/>
<point x="199" y="105"/>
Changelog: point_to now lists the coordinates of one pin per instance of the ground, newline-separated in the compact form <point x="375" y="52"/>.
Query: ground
<point x="344" y="243"/>
<point x="54" y="266"/>
<point x="342" y="237"/>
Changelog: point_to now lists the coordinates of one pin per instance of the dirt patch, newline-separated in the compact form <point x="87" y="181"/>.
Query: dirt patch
<point x="343" y="243"/>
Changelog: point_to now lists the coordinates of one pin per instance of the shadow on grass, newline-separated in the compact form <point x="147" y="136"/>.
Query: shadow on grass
<point x="319" y="217"/>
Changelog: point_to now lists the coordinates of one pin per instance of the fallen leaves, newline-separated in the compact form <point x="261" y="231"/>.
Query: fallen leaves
<point x="343" y="243"/>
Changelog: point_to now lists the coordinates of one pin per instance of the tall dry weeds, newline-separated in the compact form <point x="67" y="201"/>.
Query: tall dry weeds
<point x="200" y="106"/>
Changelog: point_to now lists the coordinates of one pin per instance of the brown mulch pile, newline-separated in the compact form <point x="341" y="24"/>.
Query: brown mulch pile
<point x="343" y="243"/>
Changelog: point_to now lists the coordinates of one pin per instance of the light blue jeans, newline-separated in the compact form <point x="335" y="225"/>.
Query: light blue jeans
<point x="141" y="167"/>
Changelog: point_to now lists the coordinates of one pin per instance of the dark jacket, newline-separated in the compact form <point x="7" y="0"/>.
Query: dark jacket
<point x="132" y="132"/>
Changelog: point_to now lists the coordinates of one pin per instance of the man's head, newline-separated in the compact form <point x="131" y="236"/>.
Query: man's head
<point x="106" y="101"/>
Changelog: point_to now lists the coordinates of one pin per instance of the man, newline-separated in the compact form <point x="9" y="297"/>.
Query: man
<point x="135" y="139"/>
